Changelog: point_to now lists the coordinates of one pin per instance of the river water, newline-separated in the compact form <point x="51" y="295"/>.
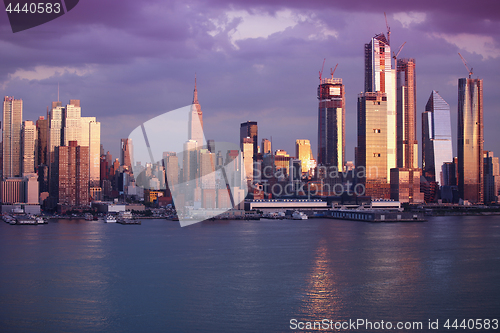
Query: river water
<point x="246" y="276"/>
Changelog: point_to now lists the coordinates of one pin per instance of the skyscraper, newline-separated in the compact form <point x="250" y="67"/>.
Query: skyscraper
<point x="405" y="179"/>
<point x="491" y="177"/>
<point x="380" y="77"/>
<point x="71" y="175"/>
<point x="66" y="124"/>
<point x="42" y="126"/>
<point x="195" y="129"/>
<point x="249" y="130"/>
<point x="28" y="144"/>
<point x="266" y="146"/>
<point x="372" y="143"/>
<point x="11" y="133"/>
<point x="303" y="153"/>
<point x="406" y="112"/>
<point x="331" y="123"/>
<point x="248" y="159"/>
<point x="470" y="139"/>
<point x="126" y="153"/>
<point x="436" y="138"/>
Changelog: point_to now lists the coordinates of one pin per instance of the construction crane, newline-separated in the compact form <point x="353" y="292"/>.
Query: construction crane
<point x="395" y="55"/>
<point x="321" y="72"/>
<point x="332" y="71"/>
<point x="466" y="66"/>
<point x="388" y="30"/>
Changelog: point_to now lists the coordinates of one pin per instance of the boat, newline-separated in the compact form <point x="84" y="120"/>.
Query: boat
<point x="89" y="217"/>
<point x="299" y="215"/>
<point x="127" y="218"/>
<point x="40" y="220"/>
<point x="25" y="219"/>
<point x="110" y="219"/>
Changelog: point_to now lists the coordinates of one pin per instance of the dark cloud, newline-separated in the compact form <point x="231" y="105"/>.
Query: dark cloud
<point x="130" y="60"/>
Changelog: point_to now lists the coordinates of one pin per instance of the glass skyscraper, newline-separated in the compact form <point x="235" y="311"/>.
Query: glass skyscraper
<point x="331" y="123"/>
<point x="470" y="139"/>
<point x="436" y="138"/>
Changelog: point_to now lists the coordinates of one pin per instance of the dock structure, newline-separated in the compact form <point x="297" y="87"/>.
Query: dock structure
<point x="376" y="216"/>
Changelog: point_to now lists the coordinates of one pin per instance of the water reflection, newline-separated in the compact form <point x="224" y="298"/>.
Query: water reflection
<point x="322" y="298"/>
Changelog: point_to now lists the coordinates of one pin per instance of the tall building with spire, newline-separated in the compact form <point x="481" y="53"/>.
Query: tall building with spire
<point x="195" y="130"/>
<point x="331" y="123"/>
<point x="470" y="139"/>
<point x="11" y="135"/>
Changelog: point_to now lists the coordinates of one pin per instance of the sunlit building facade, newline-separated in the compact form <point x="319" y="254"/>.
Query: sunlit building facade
<point x="11" y="137"/>
<point x="304" y="154"/>
<point x="470" y="140"/>
<point x="331" y="123"/>
<point x="381" y="77"/>
<point x="405" y="179"/>
<point x="372" y="144"/>
<point x="195" y="129"/>
<point x="249" y="129"/>
<point x="28" y="147"/>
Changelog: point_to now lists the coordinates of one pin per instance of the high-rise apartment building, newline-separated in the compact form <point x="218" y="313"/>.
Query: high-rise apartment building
<point x="70" y="176"/>
<point x="28" y="146"/>
<point x="195" y="129"/>
<point x="11" y="135"/>
<point x="66" y="124"/>
<point x="249" y="130"/>
<point x="381" y="77"/>
<point x="436" y="138"/>
<point x="470" y="139"/>
<point x="331" y="123"/>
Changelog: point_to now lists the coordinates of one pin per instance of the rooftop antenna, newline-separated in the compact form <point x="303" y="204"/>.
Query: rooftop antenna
<point x="321" y="73"/>
<point x="58" y="92"/>
<point x="332" y="71"/>
<point x="466" y="66"/>
<point x="388" y="30"/>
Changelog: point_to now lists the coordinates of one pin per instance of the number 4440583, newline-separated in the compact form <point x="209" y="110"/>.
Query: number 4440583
<point x="471" y="324"/>
<point x="34" y="8"/>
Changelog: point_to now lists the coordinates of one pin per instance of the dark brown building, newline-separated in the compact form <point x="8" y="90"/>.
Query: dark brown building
<point x="71" y="173"/>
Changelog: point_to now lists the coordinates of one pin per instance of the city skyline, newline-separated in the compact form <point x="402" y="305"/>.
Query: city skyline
<point x="241" y="73"/>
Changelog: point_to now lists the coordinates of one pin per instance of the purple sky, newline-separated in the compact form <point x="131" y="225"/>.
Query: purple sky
<point x="129" y="61"/>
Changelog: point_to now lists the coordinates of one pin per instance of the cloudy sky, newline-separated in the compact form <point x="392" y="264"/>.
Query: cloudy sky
<point x="129" y="61"/>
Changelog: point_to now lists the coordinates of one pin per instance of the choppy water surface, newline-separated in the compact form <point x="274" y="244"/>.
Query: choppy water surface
<point x="245" y="276"/>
